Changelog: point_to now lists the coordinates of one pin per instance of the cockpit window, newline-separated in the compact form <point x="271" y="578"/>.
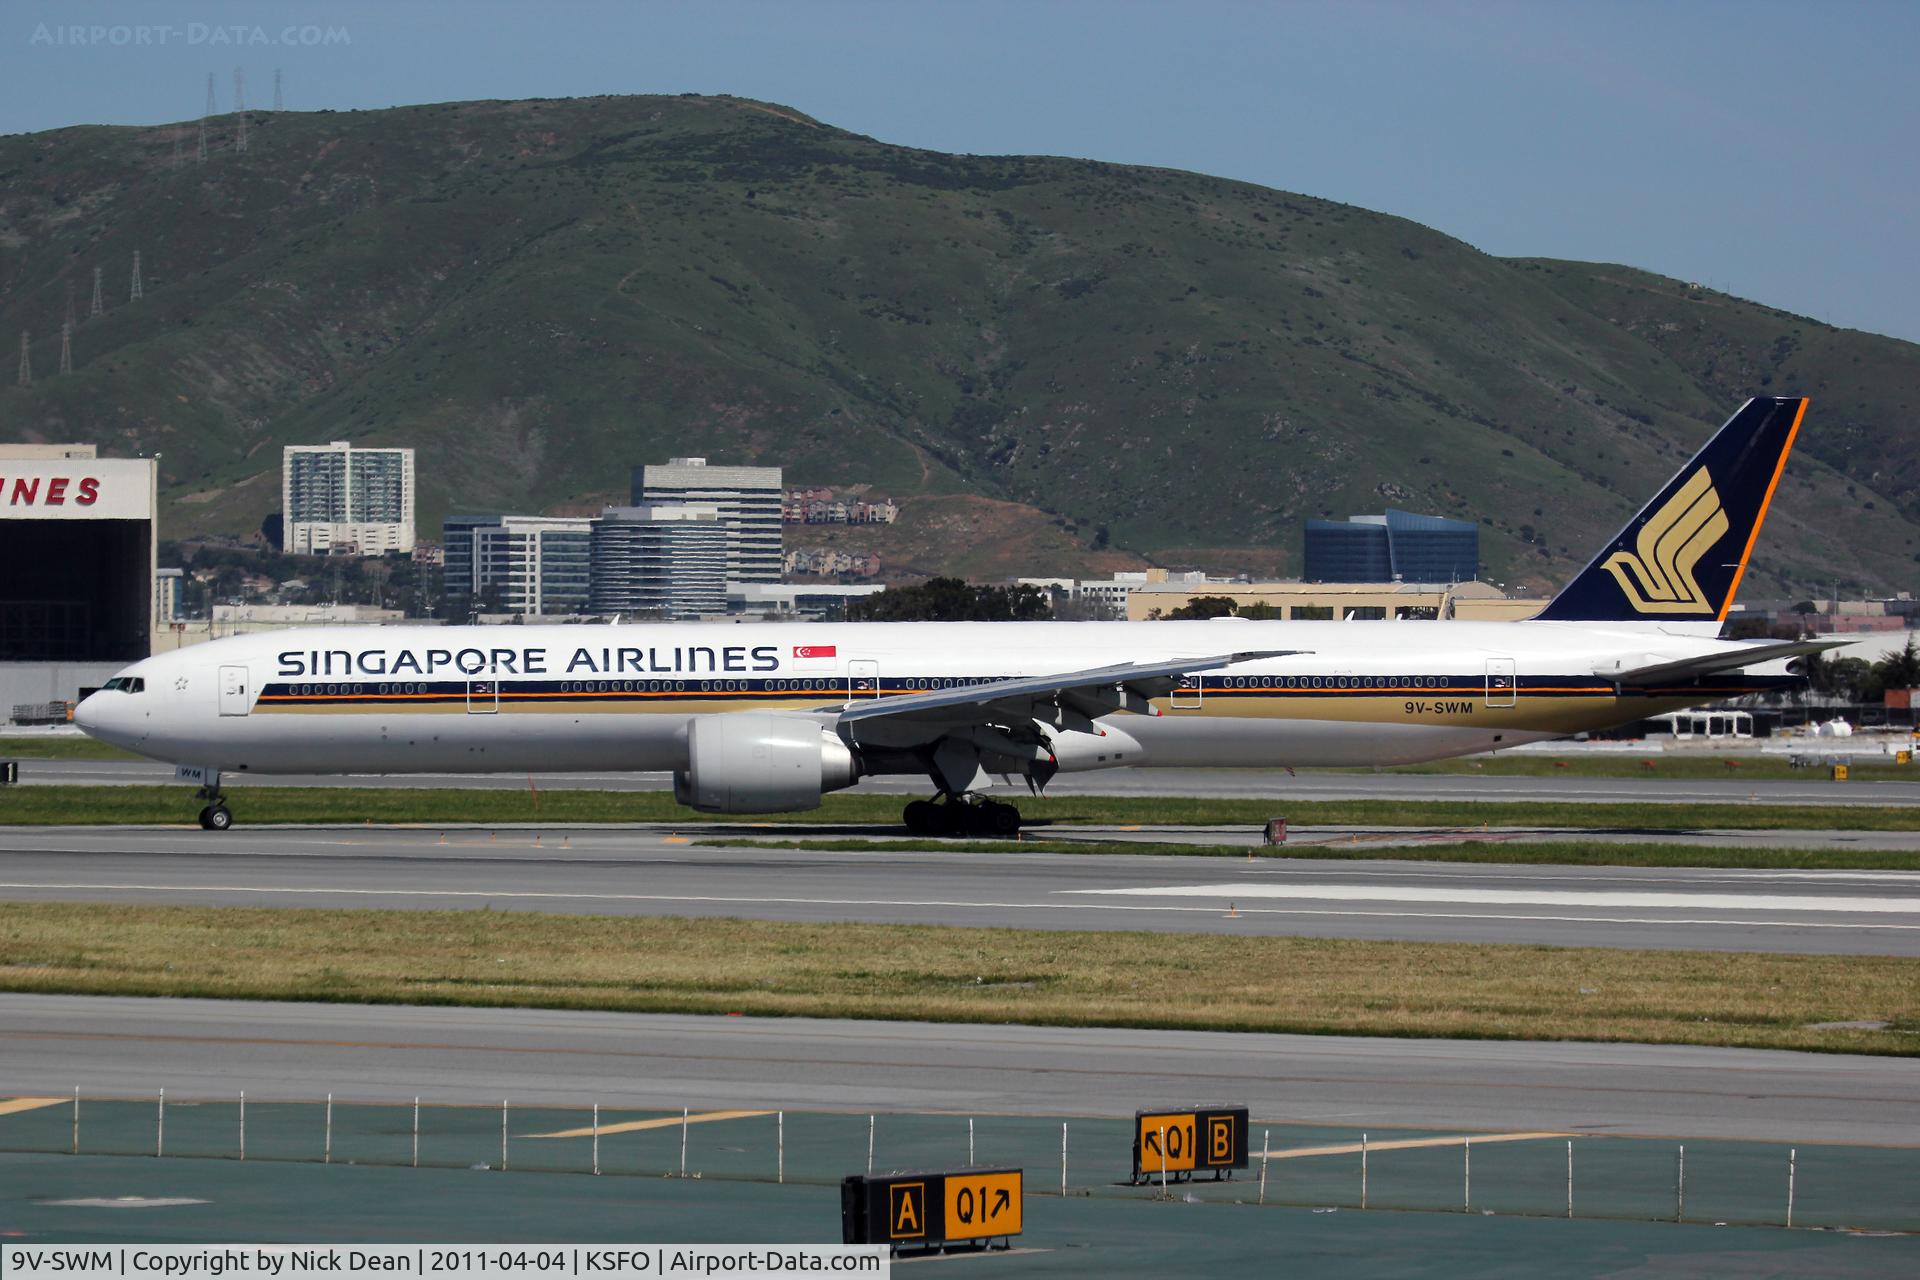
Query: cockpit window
<point x="126" y="684"/>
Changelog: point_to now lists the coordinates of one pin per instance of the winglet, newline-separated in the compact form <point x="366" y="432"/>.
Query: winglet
<point x="1681" y="559"/>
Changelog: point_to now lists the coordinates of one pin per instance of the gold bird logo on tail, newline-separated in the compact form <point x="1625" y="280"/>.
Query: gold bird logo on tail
<point x="1659" y="578"/>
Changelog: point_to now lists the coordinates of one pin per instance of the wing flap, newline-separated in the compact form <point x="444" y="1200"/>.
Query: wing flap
<point x="1142" y="679"/>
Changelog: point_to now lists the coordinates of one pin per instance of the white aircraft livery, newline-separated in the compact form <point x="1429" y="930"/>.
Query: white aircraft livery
<point x="768" y="718"/>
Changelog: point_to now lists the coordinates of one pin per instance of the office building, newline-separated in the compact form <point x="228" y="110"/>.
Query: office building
<point x="1340" y="601"/>
<point x="666" y="558"/>
<point x="528" y="566"/>
<point x="339" y="499"/>
<point x="1395" y="547"/>
<point x="748" y="500"/>
<point x="456" y="539"/>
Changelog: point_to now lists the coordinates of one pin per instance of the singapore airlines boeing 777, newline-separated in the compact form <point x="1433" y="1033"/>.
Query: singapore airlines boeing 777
<point x="765" y="719"/>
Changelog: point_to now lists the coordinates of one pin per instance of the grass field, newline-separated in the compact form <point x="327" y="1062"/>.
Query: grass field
<point x="61" y="748"/>
<point x="1578" y="853"/>
<point x="964" y="975"/>
<point x="263" y="805"/>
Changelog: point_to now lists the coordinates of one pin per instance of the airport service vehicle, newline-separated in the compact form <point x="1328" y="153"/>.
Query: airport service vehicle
<point x="768" y="718"/>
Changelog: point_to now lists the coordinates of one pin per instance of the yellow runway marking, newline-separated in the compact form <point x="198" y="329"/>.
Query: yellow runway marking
<point x="675" y="840"/>
<point x="633" y="1126"/>
<point x="13" y="1106"/>
<point x="1408" y="1144"/>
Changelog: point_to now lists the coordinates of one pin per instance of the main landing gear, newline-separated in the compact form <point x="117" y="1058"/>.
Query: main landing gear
<point x="961" y="816"/>
<point x="216" y="816"/>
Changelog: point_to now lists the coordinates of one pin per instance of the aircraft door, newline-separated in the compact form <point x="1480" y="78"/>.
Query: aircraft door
<point x="483" y="697"/>
<point x="863" y="679"/>
<point x="235" y="691"/>
<point x="1187" y="693"/>
<point x="1503" y="682"/>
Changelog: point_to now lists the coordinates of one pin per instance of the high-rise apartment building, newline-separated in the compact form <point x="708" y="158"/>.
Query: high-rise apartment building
<point x="340" y="498"/>
<point x="748" y="501"/>
<point x="669" y="558"/>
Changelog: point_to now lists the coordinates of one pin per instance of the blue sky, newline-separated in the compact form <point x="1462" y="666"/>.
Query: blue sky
<point x="1764" y="148"/>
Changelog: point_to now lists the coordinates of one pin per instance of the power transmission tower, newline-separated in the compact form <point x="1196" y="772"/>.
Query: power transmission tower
<point x="203" y="140"/>
<point x="66" y="347"/>
<point x="240" y="108"/>
<point x="69" y="304"/>
<point x="26" y="359"/>
<point x="212" y="106"/>
<point x="97" y="307"/>
<point x="137" y="292"/>
<point x="279" y="102"/>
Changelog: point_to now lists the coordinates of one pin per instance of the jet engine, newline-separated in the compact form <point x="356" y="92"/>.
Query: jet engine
<point x="755" y="762"/>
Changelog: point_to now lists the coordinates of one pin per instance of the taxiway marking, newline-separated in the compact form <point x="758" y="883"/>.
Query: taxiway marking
<point x="1408" y="1144"/>
<point x="663" y="1122"/>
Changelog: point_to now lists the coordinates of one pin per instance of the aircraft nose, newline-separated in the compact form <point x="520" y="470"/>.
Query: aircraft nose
<point x="97" y="718"/>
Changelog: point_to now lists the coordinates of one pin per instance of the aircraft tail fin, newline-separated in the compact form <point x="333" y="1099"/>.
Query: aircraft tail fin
<point x="1681" y="559"/>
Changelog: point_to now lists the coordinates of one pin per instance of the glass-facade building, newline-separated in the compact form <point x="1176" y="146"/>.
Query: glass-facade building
<point x="669" y="559"/>
<point x="530" y="566"/>
<point x="1396" y="547"/>
<point x="748" y="501"/>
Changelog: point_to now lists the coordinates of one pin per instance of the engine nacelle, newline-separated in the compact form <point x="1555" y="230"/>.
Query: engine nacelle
<point x="756" y="762"/>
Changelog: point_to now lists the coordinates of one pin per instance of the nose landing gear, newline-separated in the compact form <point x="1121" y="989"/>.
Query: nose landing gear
<point x="215" y="816"/>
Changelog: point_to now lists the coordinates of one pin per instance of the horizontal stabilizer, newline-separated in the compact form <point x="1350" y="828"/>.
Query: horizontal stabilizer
<point x="1725" y="660"/>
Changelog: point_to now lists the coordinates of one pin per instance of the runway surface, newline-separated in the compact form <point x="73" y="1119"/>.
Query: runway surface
<point x="656" y="870"/>
<point x="1197" y="783"/>
<point x="195" y="1048"/>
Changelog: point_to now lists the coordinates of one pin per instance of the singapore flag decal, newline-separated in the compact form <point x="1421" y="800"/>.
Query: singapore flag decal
<point x="804" y="651"/>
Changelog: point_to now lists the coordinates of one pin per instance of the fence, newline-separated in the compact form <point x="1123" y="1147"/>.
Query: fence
<point x="1539" y="1175"/>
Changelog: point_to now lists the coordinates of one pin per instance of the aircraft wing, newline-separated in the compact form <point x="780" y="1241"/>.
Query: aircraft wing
<point x="1098" y="690"/>
<point x="1725" y="660"/>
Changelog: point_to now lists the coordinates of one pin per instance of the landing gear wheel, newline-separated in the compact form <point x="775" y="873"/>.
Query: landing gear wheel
<point x="206" y="818"/>
<point x="216" y="817"/>
<point x="1000" y="819"/>
<point x="922" y="817"/>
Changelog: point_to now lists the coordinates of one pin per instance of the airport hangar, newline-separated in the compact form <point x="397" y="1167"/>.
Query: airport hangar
<point x="78" y="548"/>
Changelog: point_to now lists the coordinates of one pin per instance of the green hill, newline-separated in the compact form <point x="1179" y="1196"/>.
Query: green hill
<point x="1144" y="363"/>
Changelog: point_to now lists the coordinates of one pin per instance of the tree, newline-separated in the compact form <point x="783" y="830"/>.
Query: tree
<point x="1900" y="670"/>
<point x="951" y="600"/>
<point x="1206" y="607"/>
<point x="1851" y="680"/>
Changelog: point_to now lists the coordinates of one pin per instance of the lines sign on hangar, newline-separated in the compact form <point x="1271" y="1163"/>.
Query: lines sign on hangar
<point x="77" y="549"/>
